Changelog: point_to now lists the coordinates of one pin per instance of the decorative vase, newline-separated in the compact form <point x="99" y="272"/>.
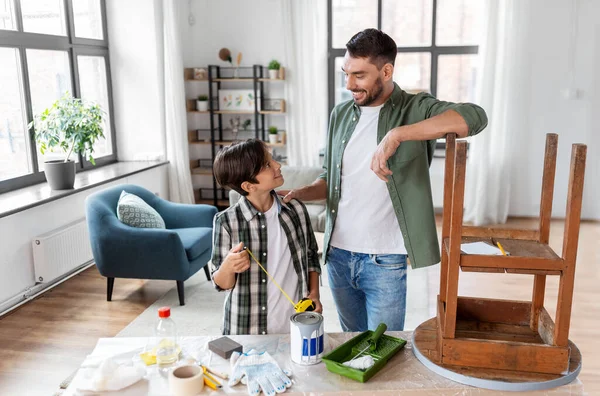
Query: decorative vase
<point x="199" y="74"/>
<point x="60" y="174"/>
<point x="235" y="127"/>
<point x="273" y="74"/>
<point x="282" y="136"/>
<point x="202" y="105"/>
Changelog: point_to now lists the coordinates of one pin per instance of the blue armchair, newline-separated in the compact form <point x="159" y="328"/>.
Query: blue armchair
<point x="174" y="253"/>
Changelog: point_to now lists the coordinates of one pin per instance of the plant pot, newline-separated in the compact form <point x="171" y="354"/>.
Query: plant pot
<point x="273" y="138"/>
<point x="273" y="74"/>
<point x="59" y="174"/>
<point x="202" y="105"/>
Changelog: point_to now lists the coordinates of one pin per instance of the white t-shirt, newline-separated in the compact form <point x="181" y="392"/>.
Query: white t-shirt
<point x="281" y="268"/>
<point x="366" y="221"/>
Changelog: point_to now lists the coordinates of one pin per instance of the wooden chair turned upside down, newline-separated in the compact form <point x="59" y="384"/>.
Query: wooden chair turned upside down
<point x="487" y="335"/>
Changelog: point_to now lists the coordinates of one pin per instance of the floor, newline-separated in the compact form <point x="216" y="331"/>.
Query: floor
<point x="48" y="338"/>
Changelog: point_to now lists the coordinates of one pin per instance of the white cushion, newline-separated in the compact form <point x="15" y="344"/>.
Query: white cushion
<point x="135" y="212"/>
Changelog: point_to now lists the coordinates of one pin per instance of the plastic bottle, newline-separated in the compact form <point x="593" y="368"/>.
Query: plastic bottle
<point x="167" y="351"/>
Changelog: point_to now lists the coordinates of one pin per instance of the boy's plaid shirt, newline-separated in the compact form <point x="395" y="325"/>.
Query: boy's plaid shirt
<point x="246" y="304"/>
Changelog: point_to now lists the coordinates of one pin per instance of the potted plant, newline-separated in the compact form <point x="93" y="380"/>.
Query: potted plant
<point x="202" y="103"/>
<point x="274" y="69"/>
<point x="246" y="124"/>
<point x="273" y="135"/>
<point x="73" y="125"/>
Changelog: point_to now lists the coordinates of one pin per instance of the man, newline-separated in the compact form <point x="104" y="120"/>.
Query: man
<point x="376" y="182"/>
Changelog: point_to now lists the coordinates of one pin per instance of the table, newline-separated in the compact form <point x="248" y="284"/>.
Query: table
<point x="402" y="373"/>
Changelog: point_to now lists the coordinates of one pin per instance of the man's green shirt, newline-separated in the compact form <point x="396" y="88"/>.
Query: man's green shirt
<point x="409" y="186"/>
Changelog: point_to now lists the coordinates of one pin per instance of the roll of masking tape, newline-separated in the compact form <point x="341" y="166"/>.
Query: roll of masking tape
<point x="186" y="380"/>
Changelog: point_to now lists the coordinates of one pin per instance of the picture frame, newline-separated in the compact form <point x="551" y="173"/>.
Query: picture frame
<point x="237" y="99"/>
<point x="274" y="104"/>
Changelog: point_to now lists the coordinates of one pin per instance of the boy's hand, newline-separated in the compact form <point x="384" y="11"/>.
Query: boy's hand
<point x="317" y="301"/>
<point x="237" y="260"/>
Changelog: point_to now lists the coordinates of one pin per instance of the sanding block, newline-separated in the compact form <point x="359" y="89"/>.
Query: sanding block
<point x="224" y="347"/>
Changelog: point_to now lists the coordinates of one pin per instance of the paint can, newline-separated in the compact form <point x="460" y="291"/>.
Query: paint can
<point x="306" y="338"/>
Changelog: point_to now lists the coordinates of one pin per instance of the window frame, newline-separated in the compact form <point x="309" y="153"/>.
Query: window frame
<point x="74" y="46"/>
<point x="433" y="49"/>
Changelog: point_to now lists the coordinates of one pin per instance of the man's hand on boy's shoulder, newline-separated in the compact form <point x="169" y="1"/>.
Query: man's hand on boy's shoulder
<point x="287" y="195"/>
<point x="237" y="260"/>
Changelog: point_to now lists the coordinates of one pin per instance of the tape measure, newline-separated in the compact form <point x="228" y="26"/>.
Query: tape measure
<point x="306" y="304"/>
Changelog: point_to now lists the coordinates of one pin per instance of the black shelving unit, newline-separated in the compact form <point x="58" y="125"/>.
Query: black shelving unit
<point x="217" y="75"/>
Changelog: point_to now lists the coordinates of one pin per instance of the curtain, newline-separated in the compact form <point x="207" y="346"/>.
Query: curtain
<point x="504" y="68"/>
<point x="180" y="180"/>
<point x="305" y="38"/>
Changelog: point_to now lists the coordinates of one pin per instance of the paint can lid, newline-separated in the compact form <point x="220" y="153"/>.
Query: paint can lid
<point x="307" y="318"/>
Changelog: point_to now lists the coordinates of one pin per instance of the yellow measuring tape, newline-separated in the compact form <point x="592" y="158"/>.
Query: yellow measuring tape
<point x="303" y="305"/>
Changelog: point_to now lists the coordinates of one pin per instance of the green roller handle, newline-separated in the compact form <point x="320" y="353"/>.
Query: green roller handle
<point x="376" y="335"/>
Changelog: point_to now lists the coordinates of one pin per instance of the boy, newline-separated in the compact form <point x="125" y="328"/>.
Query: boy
<point x="279" y="235"/>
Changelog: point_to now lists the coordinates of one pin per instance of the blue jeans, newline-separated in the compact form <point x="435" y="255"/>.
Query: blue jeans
<point x="368" y="289"/>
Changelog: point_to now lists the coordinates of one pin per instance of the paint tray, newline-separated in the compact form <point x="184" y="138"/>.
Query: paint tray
<point x="386" y="347"/>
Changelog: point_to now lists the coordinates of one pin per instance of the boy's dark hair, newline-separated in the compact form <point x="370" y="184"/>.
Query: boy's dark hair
<point x="240" y="162"/>
<point x="373" y="44"/>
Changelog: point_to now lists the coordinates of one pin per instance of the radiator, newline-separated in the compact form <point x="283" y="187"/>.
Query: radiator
<point x="60" y="251"/>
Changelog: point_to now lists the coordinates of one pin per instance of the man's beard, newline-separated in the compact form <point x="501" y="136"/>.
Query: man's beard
<point x="373" y="95"/>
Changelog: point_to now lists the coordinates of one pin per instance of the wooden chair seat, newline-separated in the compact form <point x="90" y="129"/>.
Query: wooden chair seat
<point x="526" y="257"/>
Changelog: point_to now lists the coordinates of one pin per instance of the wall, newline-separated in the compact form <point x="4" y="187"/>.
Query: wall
<point x="253" y="28"/>
<point x="18" y="230"/>
<point x="136" y="71"/>
<point x="553" y="53"/>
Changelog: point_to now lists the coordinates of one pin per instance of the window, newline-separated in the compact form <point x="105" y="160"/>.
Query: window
<point x="94" y="86"/>
<point x="7" y="15"/>
<point x="14" y="150"/>
<point x="49" y="47"/>
<point x="437" y="43"/>
<point x="88" y="19"/>
<point x="44" y="17"/>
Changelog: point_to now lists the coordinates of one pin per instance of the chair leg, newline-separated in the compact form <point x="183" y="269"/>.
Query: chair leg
<point x="180" y="292"/>
<point x="207" y="272"/>
<point x="453" y="263"/>
<point x="110" y="282"/>
<point x="447" y="212"/>
<point x="570" y="242"/>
